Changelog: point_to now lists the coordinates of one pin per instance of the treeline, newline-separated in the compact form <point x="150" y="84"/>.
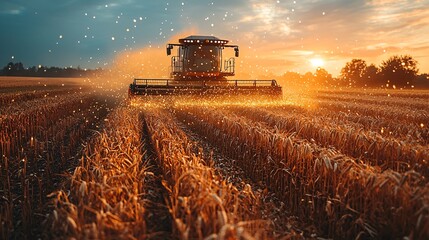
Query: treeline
<point x="399" y="72"/>
<point x="396" y="72"/>
<point x="18" y="69"/>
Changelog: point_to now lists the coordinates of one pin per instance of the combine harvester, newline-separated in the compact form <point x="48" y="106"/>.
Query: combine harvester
<point x="199" y="69"/>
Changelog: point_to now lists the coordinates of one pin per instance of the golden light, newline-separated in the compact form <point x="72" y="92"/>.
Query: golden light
<point x="317" y="62"/>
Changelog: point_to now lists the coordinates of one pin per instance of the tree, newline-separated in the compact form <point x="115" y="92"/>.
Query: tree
<point x="354" y="71"/>
<point x="422" y="81"/>
<point x="32" y="71"/>
<point x="9" y="67"/>
<point x="291" y="76"/>
<point x="41" y="70"/>
<point x="307" y="79"/>
<point x="13" y="69"/>
<point x="399" y="71"/>
<point x="371" y="75"/>
<point x="323" y="77"/>
<point x="17" y="69"/>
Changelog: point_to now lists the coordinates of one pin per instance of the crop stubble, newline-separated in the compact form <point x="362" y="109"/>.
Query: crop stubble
<point x="348" y="165"/>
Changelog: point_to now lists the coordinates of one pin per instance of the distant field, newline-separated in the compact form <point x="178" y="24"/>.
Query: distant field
<point x="84" y="163"/>
<point x="6" y="81"/>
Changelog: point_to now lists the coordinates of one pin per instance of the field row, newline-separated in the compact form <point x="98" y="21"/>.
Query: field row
<point x="376" y="125"/>
<point x="411" y="116"/>
<point x="37" y="145"/>
<point x="107" y="187"/>
<point x="382" y="93"/>
<point x="408" y="103"/>
<point x="370" y="147"/>
<point x="110" y="189"/>
<point x="319" y="184"/>
<point x="84" y="167"/>
<point x="7" y="99"/>
<point x="201" y="203"/>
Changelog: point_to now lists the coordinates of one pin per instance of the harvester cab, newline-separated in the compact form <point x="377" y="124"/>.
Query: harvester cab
<point x="199" y="68"/>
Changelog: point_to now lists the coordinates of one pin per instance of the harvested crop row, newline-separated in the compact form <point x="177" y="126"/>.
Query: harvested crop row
<point x="394" y="113"/>
<point x="368" y="146"/>
<point x="320" y="185"/>
<point x="29" y="174"/>
<point x="16" y="84"/>
<point x="388" y="128"/>
<point x="11" y="110"/>
<point x="201" y="203"/>
<point x="17" y="129"/>
<point x="13" y="98"/>
<point x="406" y="103"/>
<point x="381" y="93"/>
<point x="108" y="190"/>
<point x="273" y="210"/>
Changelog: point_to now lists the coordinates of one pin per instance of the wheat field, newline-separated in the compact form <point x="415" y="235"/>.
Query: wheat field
<point x="84" y="163"/>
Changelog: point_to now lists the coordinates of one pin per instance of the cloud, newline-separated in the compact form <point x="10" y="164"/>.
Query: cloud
<point x="339" y="30"/>
<point x="12" y="11"/>
<point x="8" y="8"/>
<point x="267" y="18"/>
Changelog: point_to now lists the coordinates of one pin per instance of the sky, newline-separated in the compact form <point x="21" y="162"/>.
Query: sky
<point x="275" y="36"/>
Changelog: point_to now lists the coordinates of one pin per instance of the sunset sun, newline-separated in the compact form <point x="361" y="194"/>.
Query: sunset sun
<point x="317" y="62"/>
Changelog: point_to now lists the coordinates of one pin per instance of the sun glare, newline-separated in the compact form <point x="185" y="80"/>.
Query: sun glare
<point x="317" y="62"/>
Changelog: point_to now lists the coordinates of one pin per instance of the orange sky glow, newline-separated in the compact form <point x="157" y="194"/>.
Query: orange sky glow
<point x="271" y="46"/>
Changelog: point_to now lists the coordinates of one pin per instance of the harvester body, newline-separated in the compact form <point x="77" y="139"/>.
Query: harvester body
<point x="199" y="68"/>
